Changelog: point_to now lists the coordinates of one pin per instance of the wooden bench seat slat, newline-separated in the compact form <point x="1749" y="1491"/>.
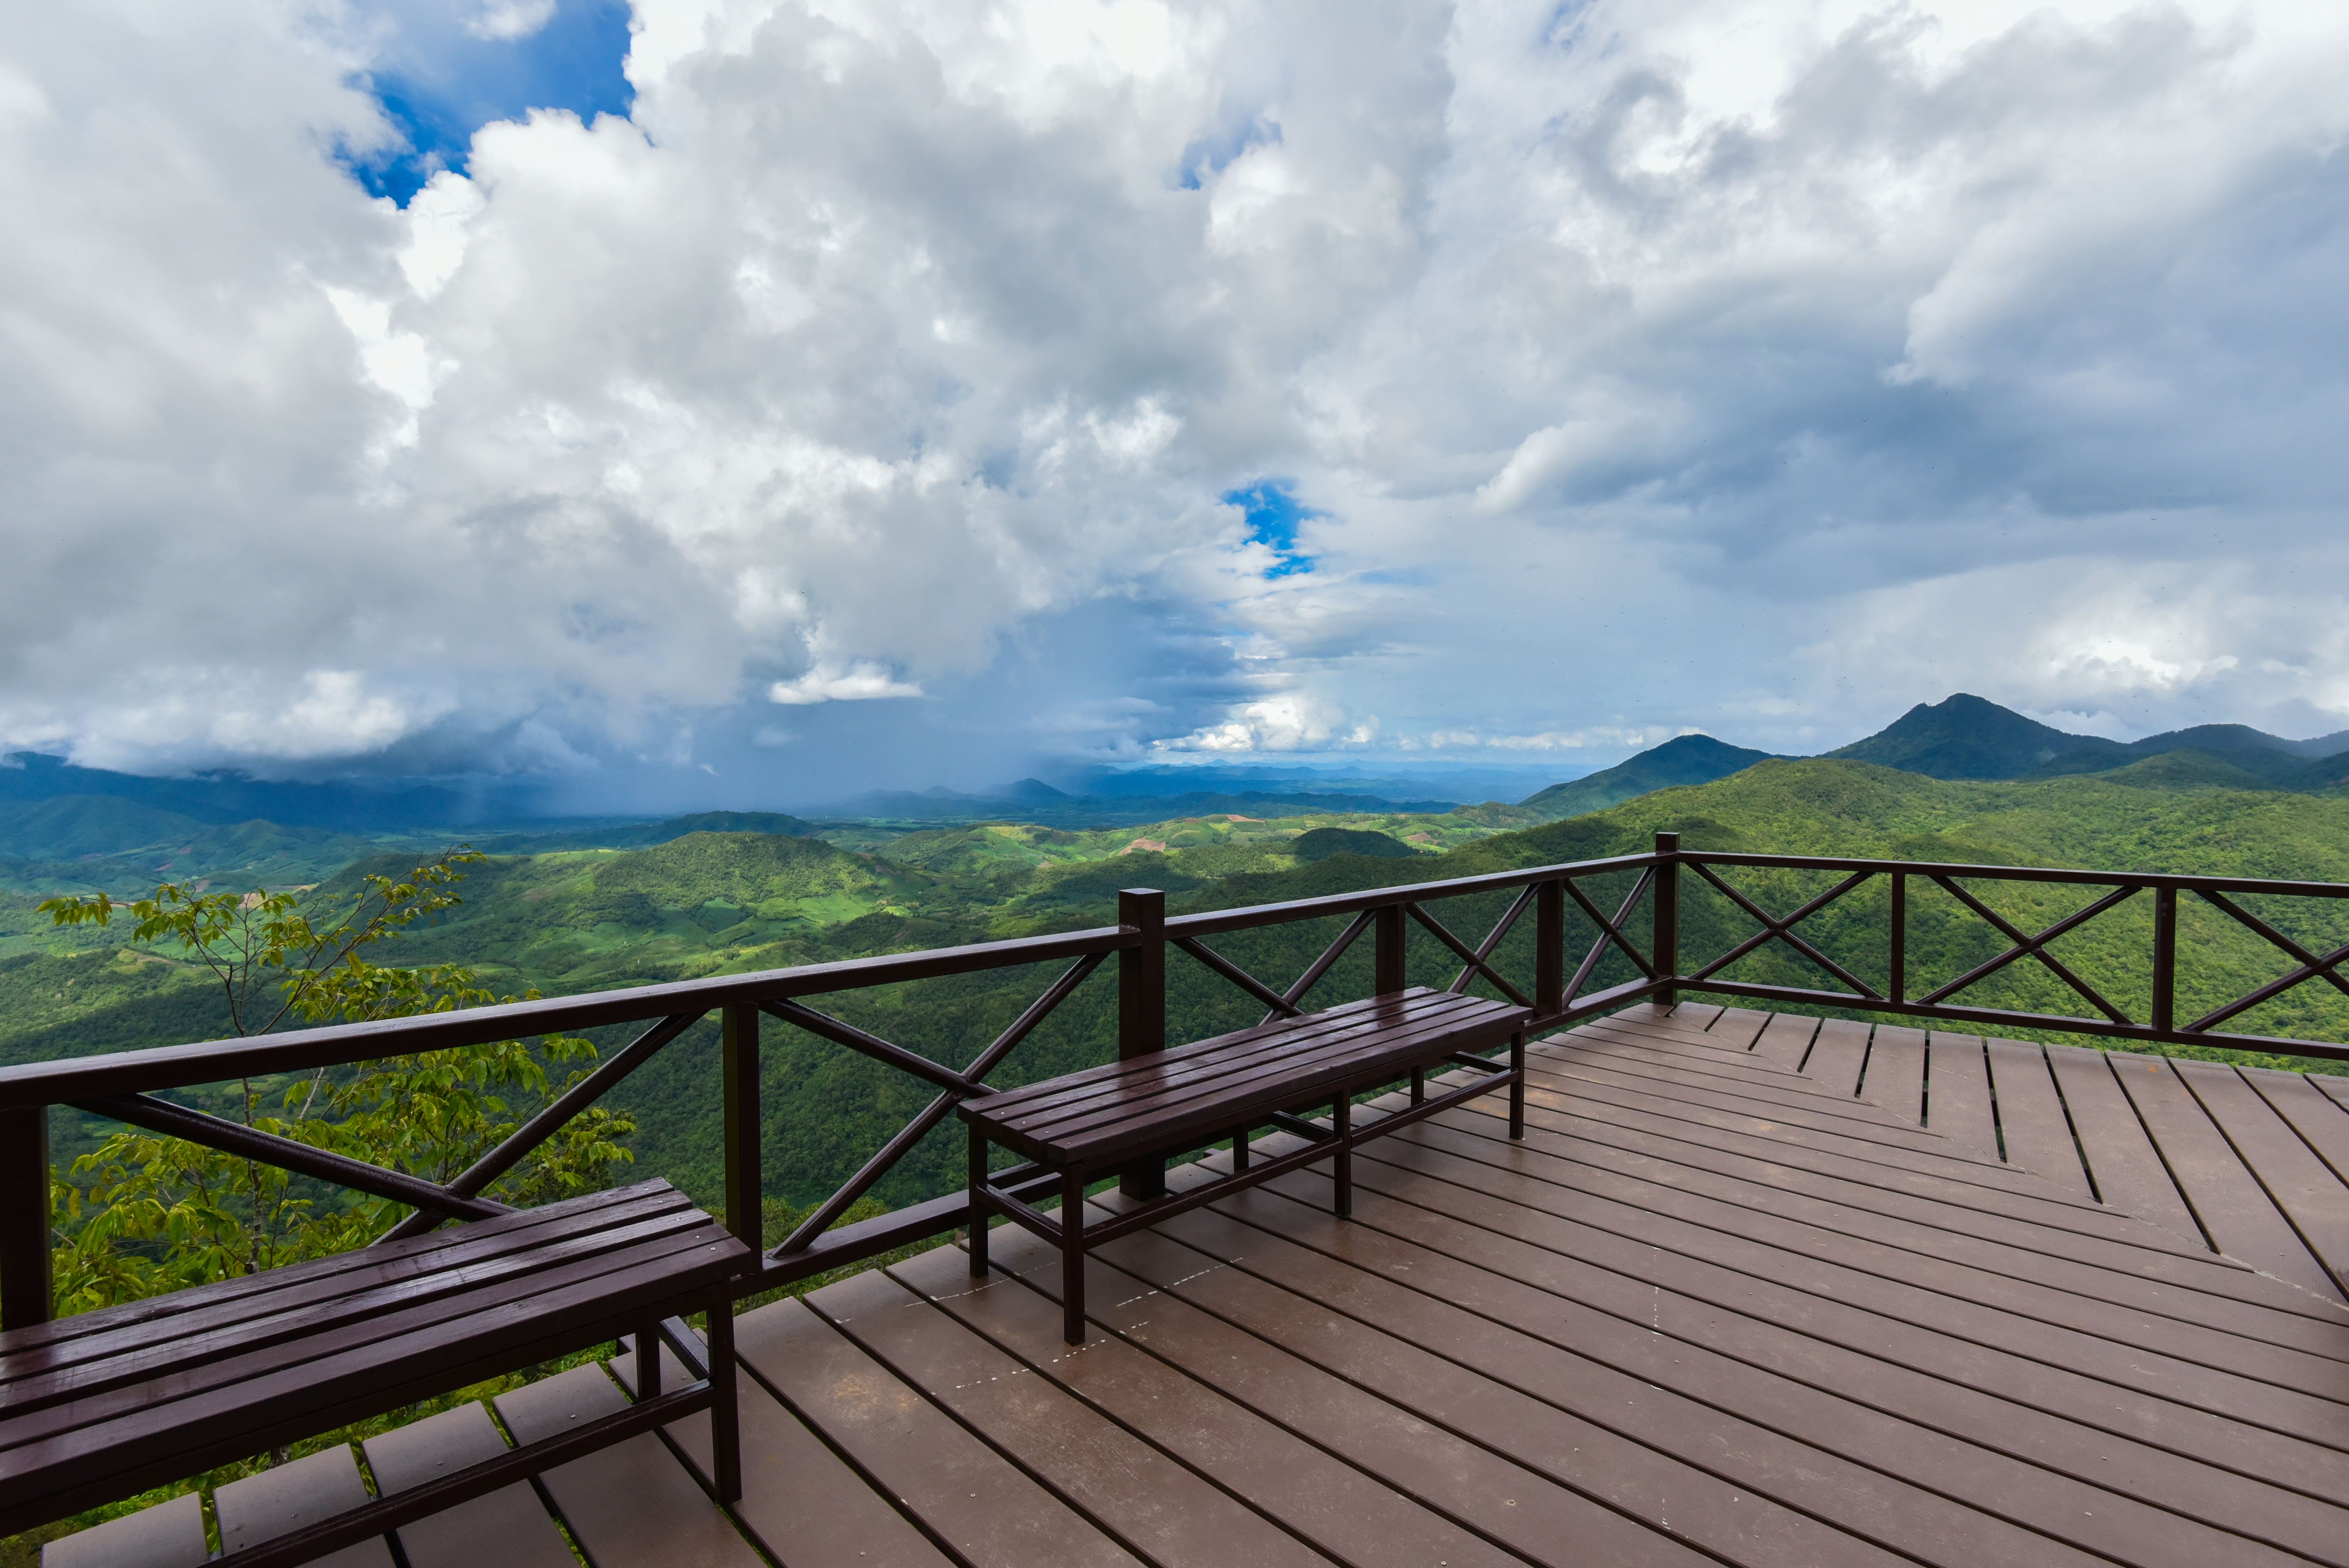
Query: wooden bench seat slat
<point x="586" y="1212"/>
<point x="1257" y="1097"/>
<point x="91" y="1374"/>
<point x="155" y="1372"/>
<point x="1230" y="1071"/>
<point x="146" y="1397"/>
<point x="1265" y="1082"/>
<point x="348" y="1363"/>
<point x="1212" y="1056"/>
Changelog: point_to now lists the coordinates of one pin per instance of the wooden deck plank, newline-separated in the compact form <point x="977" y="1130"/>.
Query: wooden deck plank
<point x="1495" y="1495"/>
<point x="283" y="1499"/>
<point x="1355" y="1518"/>
<point x="1753" y="1078"/>
<point x="1601" y="1440"/>
<point x="1156" y="1506"/>
<point x="509" y="1527"/>
<point x="170" y="1534"/>
<point x="1811" y="1161"/>
<point x="978" y="1504"/>
<point x="2123" y="1163"/>
<point x="1959" y="1213"/>
<point x="1491" y="1378"/>
<point x="1786" y="1038"/>
<point x="1787" y="1101"/>
<point x="2226" y="1197"/>
<point x="2316" y="1116"/>
<point x="1740" y="1027"/>
<point x="631" y="1505"/>
<point x="801" y="1503"/>
<point x="1698" y="1101"/>
<point x="1663" y="1168"/>
<point x="1895" y="1078"/>
<point x="1837" y="1056"/>
<point x="1996" y="1455"/>
<point x="2333" y="1086"/>
<point x="1478" y="1213"/>
<point x="2031" y="1117"/>
<point x="2312" y="1196"/>
<point x="1957" y="1092"/>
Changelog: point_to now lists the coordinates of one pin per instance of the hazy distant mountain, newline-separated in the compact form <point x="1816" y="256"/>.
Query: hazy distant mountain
<point x="627" y="835"/>
<point x="1031" y="801"/>
<point x="26" y="776"/>
<point x="1683" y="759"/>
<point x="1967" y="736"/>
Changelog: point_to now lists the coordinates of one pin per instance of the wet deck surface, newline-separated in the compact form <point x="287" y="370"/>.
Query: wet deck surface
<point x="1753" y="1289"/>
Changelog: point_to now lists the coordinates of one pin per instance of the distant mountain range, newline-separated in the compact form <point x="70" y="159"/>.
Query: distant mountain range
<point x="1964" y="737"/>
<point x="1033" y="800"/>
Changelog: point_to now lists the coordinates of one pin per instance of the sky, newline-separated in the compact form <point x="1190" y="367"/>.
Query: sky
<point x="743" y="401"/>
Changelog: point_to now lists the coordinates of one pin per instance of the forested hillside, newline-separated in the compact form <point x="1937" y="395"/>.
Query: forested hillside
<point x="570" y="920"/>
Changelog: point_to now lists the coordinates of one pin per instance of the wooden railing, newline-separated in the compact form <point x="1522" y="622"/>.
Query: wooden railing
<point x="126" y="1087"/>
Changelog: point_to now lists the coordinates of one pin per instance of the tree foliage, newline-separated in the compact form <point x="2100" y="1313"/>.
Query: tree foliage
<point x="143" y="1215"/>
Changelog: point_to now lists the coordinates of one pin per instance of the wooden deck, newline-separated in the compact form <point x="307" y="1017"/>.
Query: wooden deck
<point x="1754" y="1290"/>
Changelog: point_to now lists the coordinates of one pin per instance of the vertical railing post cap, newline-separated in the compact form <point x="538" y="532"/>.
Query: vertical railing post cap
<point x="1668" y="843"/>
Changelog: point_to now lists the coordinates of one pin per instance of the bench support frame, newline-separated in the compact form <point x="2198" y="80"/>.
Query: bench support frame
<point x="1073" y="1237"/>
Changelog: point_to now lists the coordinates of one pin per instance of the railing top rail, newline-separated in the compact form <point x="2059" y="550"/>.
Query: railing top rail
<point x="1214" y="921"/>
<point x="301" y="1050"/>
<point x="174" y="1066"/>
<point x="2023" y="873"/>
<point x="334" y="1044"/>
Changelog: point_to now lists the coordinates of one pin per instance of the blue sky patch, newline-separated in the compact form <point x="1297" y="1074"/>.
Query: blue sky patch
<point x="1209" y="154"/>
<point x="1273" y="515"/>
<point x="444" y="71"/>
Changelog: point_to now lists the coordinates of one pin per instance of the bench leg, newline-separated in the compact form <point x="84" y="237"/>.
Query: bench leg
<point x="1517" y="1084"/>
<point x="1419" y="1086"/>
<point x="725" y="1416"/>
<point x="648" y="1362"/>
<point x="1073" y="1257"/>
<point x="1240" y="1151"/>
<point x="979" y="1214"/>
<point x="1341" y="1123"/>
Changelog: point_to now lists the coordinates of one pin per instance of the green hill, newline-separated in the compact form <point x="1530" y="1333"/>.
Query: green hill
<point x="1683" y="759"/>
<point x="711" y="902"/>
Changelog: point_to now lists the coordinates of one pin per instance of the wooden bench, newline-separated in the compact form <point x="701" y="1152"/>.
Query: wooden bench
<point x="101" y="1406"/>
<point x="1104" y="1119"/>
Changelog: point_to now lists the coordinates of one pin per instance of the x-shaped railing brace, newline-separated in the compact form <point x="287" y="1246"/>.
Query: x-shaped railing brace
<point x="1282" y="1005"/>
<point x="2033" y="947"/>
<point x="2311" y="966"/>
<point x="1783" y="930"/>
<point x="1610" y="932"/>
<point x="958" y="1087"/>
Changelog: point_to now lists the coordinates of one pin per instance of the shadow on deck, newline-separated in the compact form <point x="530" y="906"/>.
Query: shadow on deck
<point x="1754" y="1290"/>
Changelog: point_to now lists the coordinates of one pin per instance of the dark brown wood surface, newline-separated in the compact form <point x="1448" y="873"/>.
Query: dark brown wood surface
<point x="1102" y="1116"/>
<point x="1722" y="1305"/>
<point x="509" y="1528"/>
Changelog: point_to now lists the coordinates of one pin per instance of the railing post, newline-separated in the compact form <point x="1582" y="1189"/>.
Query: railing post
<point x="1549" y="949"/>
<point x="1898" y="961"/>
<point x="1388" y="965"/>
<point x="1142" y="1010"/>
<point x="1667" y="942"/>
<point x="745" y="1189"/>
<point x="26" y="1291"/>
<point x="2164" y="959"/>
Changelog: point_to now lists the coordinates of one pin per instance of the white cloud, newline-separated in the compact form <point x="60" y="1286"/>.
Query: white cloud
<point x="835" y="683"/>
<point x="509" y="21"/>
<point x="1758" y="365"/>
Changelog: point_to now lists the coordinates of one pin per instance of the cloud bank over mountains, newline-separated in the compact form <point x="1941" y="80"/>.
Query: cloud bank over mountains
<point x="939" y="384"/>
